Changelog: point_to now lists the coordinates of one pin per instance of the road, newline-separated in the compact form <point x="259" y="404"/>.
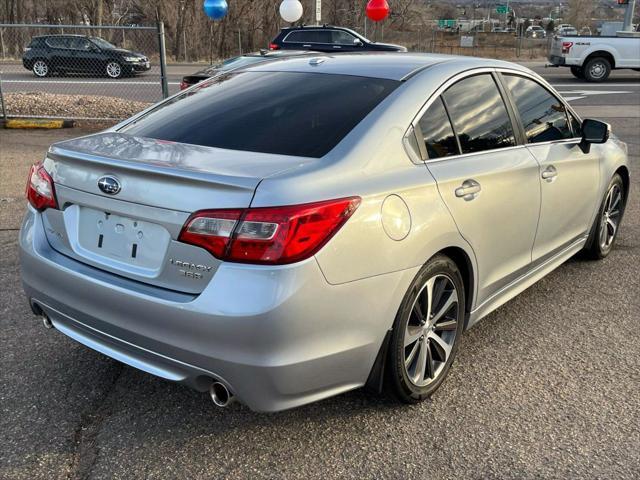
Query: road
<point x="147" y="88"/>
<point x="545" y="387"/>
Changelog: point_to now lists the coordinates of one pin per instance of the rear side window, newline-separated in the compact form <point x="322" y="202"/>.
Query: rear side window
<point x="286" y="113"/>
<point x="479" y="114"/>
<point x="58" y="42"/>
<point x="36" y="42"/>
<point x="437" y="133"/>
<point x="543" y="115"/>
<point x="309" y="36"/>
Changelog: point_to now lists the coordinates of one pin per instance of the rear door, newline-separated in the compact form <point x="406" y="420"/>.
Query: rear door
<point x="59" y="52"/>
<point x="488" y="182"/>
<point x="569" y="178"/>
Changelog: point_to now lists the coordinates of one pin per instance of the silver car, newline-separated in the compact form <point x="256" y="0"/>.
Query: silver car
<point x="298" y="229"/>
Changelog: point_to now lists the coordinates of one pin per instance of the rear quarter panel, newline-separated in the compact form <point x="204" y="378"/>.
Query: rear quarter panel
<point x="371" y="163"/>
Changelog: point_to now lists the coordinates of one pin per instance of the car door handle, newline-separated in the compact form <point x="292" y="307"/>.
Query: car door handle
<point x="469" y="190"/>
<point x="550" y="173"/>
<point x="306" y="44"/>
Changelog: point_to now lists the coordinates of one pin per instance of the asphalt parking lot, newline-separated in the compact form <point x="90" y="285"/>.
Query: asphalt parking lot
<point x="146" y="87"/>
<point x="547" y="386"/>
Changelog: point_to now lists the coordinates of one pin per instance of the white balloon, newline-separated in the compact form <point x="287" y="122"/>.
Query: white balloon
<point x="291" y="10"/>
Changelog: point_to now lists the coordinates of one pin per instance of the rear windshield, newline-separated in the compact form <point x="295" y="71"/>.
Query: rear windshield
<point x="302" y="114"/>
<point x="233" y="63"/>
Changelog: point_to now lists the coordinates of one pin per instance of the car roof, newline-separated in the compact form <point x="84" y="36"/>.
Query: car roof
<point x="388" y="65"/>
<point x="320" y="27"/>
<point x="279" y="53"/>
<point x="326" y="26"/>
<point x="63" y="35"/>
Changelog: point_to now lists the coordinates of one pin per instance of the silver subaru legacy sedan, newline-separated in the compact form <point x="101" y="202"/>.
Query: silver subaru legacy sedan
<point x="302" y="228"/>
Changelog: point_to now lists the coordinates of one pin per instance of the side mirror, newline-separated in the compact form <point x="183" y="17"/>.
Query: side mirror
<point x="593" y="131"/>
<point x="357" y="42"/>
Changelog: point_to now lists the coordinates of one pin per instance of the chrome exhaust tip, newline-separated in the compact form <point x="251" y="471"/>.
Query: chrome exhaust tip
<point x="221" y="395"/>
<point x="46" y="321"/>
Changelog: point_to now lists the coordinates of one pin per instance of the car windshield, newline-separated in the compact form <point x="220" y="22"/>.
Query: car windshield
<point x="287" y="113"/>
<point x="102" y="43"/>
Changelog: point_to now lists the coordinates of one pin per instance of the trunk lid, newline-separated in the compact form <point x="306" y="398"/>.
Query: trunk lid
<point x="134" y="231"/>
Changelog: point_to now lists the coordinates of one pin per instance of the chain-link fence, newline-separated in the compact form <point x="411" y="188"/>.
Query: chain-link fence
<point x="112" y="72"/>
<point x="503" y="45"/>
<point x="81" y="72"/>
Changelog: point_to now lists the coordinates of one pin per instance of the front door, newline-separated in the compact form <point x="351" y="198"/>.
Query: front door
<point x="569" y="178"/>
<point x="488" y="182"/>
<point x="83" y="55"/>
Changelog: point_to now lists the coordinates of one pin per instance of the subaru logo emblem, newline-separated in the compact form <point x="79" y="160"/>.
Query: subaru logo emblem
<point x="109" y="185"/>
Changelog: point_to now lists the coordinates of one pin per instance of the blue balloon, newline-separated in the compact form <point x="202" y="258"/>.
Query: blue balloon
<point x="215" y="9"/>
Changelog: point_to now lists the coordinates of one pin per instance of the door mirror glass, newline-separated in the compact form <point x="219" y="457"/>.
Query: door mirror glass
<point x="595" y="131"/>
<point x="357" y="42"/>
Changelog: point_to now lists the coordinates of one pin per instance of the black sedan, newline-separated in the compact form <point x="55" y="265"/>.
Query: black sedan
<point x="238" y="62"/>
<point x="61" y="54"/>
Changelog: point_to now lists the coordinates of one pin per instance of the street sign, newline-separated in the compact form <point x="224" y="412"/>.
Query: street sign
<point x="502" y="9"/>
<point x="446" y="23"/>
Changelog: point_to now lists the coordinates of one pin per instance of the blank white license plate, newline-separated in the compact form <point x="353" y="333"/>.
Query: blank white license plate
<point x="126" y="240"/>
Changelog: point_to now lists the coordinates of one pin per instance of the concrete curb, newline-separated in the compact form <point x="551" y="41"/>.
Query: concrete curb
<point x="32" y="123"/>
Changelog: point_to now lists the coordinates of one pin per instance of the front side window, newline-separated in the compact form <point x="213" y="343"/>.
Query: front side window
<point x="78" y="43"/>
<point x="287" y="113"/>
<point x="341" y="37"/>
<point x="479" y="115"/>
<point x="576" y="126"/>
<point x="102" y="43"/>
<point x="437" y="133"/>
<point x="543" y="115"/>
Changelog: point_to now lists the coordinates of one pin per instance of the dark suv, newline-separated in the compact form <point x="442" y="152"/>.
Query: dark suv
<point x="81" y="54"/>
<point x="327" y="38"/>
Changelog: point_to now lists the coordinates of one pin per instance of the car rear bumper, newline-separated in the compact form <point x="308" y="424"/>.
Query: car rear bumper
<point x="277" y="337"/>
<point x="556" y="60"/>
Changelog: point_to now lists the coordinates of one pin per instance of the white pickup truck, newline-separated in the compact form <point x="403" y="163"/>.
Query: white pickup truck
<point x="593" y="58"/>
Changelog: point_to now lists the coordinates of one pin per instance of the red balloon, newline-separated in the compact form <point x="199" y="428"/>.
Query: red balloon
<point x="377" y="10"/>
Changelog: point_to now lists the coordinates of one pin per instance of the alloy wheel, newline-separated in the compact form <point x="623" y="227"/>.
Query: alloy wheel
<point x="40" y="68"/>
<point x="114" y="70"/>
<point x="430" y="330"/>
<point x="610" y="216"/>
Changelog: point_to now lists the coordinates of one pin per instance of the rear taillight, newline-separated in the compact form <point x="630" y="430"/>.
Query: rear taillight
<point x="184" y="85"/>
<point x="40" y="191"/>
<point x="566" y="47"/>
<point x="274" y="46"/>
<point x="268" y="235"/>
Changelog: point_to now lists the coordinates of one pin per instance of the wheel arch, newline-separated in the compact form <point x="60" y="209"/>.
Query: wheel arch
<point x="465" y="264"/>
<point x="623" y="171"/>
<point x="601" y="53"/>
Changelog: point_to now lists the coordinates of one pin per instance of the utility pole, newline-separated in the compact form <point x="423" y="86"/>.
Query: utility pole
<point x="628" y="17"/>
<point x="319" y="12"/>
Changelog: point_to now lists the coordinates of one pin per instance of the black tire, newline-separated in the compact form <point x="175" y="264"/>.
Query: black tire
<point x="595" y="248"/>
<point x="577" y="72"/>
<point x="401" y="380"/>
<point x="597" y="70"/>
